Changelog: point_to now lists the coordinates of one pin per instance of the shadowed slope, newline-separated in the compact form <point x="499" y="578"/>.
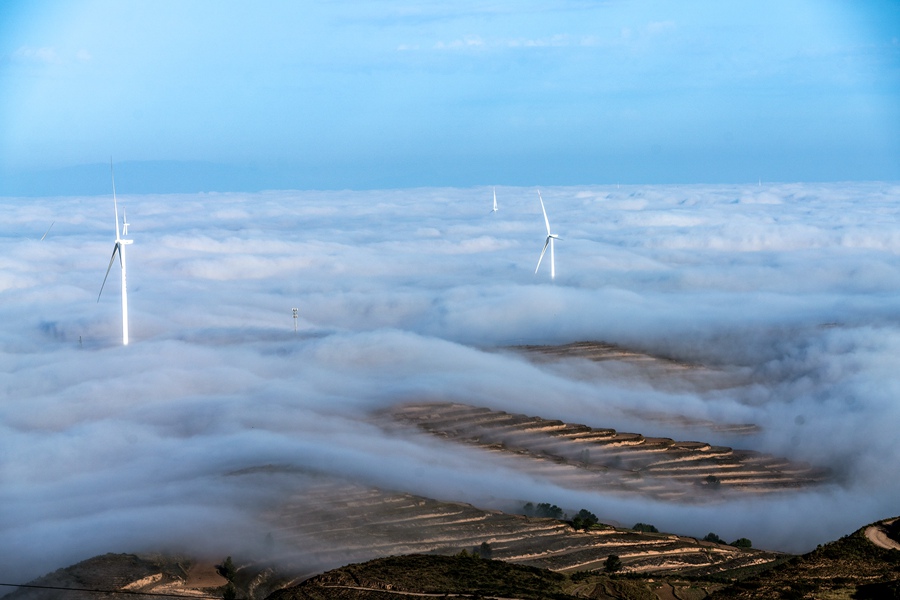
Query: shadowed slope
<point x="336" y="523"/>
<point x="851" y="567"/>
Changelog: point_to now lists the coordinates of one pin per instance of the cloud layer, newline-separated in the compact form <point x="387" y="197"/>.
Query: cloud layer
<point x="787" y="293"/>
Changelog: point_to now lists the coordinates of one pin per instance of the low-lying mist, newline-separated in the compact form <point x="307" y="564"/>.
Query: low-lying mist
<point x="783" y="298"/>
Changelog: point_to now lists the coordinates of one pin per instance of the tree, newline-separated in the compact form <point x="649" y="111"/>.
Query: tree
<point x="645" y="527"/>
<point x="227" y="570"/>
<point x="230" y="593"/>
<point x="585" y="519"/>
<point x="742" y="543"/>
<point x="711" y="537"/>
<point x="484" y="550"/>
<point x="613" y="563"/>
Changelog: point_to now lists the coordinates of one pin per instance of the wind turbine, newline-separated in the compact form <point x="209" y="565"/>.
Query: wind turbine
<point x="548" y="242"/>
<point x="495" y="209"/>
<point x="119" y="248"/>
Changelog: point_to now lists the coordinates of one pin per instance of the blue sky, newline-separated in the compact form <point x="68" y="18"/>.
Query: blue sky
<point x="198" y="96"/>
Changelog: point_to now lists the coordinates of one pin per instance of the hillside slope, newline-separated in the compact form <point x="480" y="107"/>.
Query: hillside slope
<point x="851" y="567"/>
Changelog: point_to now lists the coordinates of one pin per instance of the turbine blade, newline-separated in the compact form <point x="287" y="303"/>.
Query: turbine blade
<point x="111" y="259"/>
<point x="48" y="230"/>
<point x="495" y="199"/>
<point x="544" y="210"/>
<point x="546" y="243"/>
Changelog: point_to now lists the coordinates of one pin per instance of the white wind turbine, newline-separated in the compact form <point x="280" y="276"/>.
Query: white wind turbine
<point x="495" y="209"/>
<point x="119" y="248"/>
<point x="548" y="242"/>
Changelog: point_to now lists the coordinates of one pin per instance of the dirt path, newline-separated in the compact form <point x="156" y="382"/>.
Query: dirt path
<point x="665" y="592"/>
<point x="877" y="534"/>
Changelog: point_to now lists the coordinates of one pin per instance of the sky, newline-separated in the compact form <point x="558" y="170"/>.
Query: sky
<point x="225" y="96"/>
<point x="787" y="293"/>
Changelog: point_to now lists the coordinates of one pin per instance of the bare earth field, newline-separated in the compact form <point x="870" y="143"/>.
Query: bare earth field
<point x="349" y="523"/>
<point x="581" y="457"/>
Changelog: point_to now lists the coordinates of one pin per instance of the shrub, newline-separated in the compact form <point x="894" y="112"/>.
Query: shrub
<point x="484" y="550"/>
<point x="613" y="563"/>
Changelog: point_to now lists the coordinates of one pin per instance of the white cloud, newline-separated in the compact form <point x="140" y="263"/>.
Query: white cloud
<point x="658" y="27"/>
<point x="467" y="42"/>
<point x="789" y="291"/>
<point x="555" y="41"/>
<point x="44" y="54"/>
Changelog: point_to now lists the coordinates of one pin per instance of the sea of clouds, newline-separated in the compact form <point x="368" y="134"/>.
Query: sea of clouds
<point x="789" y="294"/>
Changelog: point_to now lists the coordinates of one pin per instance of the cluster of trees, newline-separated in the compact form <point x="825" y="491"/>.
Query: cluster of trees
<point x="483" y="551"/>
<point x="585" y="519"/>
<point x="738" y="543"/>
<point x="645" y="527"/>
<point x="544" y="509"/>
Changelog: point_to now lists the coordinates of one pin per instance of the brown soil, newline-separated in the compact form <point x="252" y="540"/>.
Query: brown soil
<point x="583" y="457"/>
<point x="878" y="535"/>
<point x="340" y="523"/>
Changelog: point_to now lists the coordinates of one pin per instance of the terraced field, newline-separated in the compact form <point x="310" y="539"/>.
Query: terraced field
<point x="582" y="457"/>
<point x="338" y="523"/>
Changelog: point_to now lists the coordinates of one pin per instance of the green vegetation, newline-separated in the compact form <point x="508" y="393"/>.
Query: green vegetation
<point x="613" y="563"/>
<point x="227" y="570"/>
<point x="466" y="576"/>
<point x="851" y="567"/>
<point x="742" y="543"/>
<point x="230" y="593"/>
<point x="645" y="527"/>
<point x="430" y="574"/>
<point x="544" y="509"/>
<point x="485" y="551"/>
<point x="893" y="530"/>
<point x="585" y="519"/>
<point x="711" y="537"/>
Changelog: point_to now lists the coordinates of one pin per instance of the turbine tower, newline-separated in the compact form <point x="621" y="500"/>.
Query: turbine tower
<point x="495" y="209"/>
<point x="547" y="242"/>
<point x="119" y="248"/>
